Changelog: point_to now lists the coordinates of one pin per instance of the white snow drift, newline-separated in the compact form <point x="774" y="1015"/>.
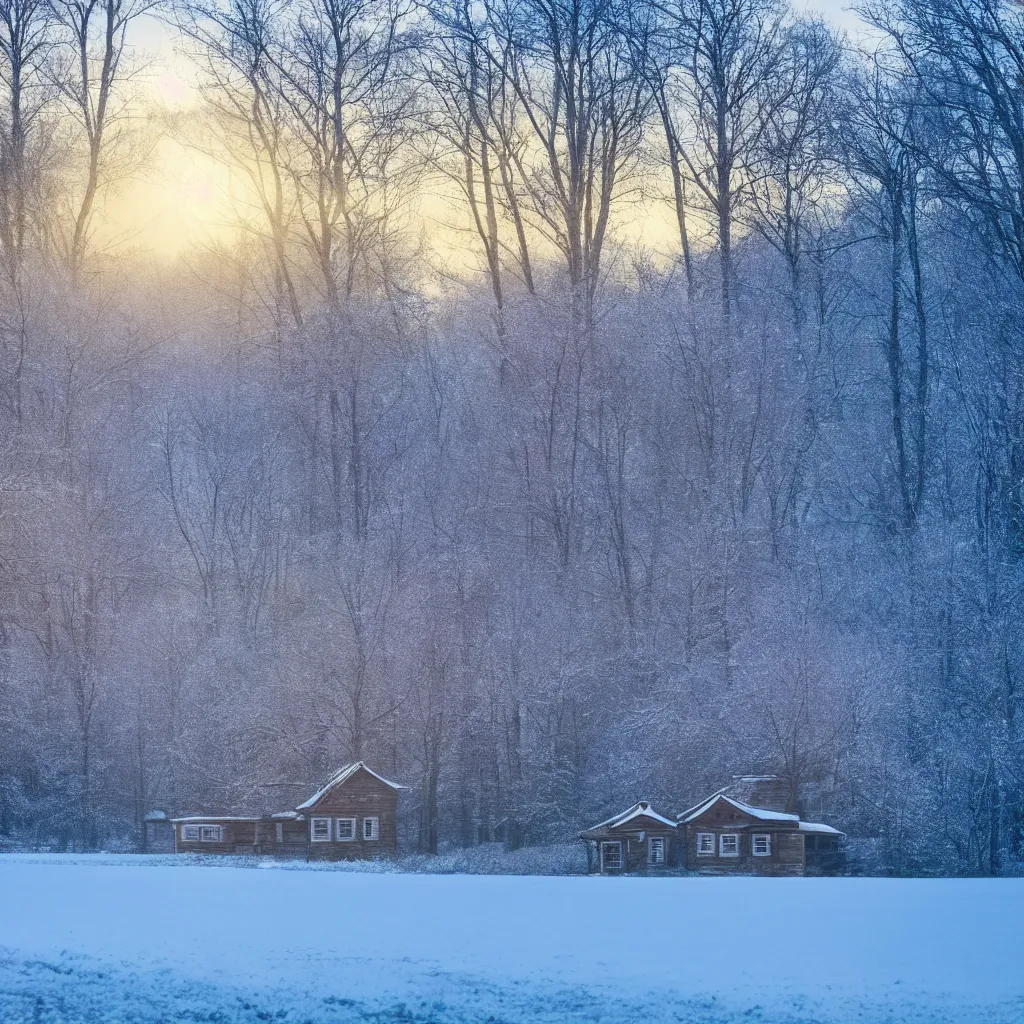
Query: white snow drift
<point x="120" y="939"/>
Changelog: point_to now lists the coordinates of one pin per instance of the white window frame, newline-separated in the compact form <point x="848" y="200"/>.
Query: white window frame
<point x="657" y="842"/>
<point x="211" y="833"/>
<point x="721" y="844"/>
<point x="351" y="837"/>
<point x="767" y="851"/>
<point x="190" y="833"/>
<point x="705" y="849"/>
<point x="606" y="844"/>
<point x="278" y="831"/>
<point x="373" y="833"/>
<point x="313" y="837"/>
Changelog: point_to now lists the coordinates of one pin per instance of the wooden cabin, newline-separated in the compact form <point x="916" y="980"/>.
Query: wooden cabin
<point x="727" y="836"/>
<point x="749" y="827"/>
<point x="352" y="816"/>
<point x="637" y="841"/>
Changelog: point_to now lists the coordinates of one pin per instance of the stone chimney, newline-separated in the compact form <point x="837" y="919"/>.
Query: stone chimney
<point x="768" y="792"/>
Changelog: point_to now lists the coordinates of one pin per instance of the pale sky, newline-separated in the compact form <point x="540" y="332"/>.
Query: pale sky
<point x="836" y="11"/>
<point x="181" y="198"/>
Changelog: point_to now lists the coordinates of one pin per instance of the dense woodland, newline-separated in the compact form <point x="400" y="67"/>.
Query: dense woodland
<point x="593" y="400"/>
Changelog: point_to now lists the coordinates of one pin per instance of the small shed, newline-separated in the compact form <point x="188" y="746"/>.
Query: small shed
<point x="157" y="833"/>
<point x="639" y="840"/>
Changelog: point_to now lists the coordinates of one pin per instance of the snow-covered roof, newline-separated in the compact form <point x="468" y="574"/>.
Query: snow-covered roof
<point x="289" y="815"/>
<point x="213" y="817"/>
<point x="641" y="809"/>
<point x="155" y="816"/>
<point x="755" y="778"/>
<point x="341" y="776"/>
<point x="756" y="812"/>
<point x="813" y="826"/>
<point x="683" y="815"/>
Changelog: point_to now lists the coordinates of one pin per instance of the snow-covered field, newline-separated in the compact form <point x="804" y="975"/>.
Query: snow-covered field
<point x="149" y="941"/>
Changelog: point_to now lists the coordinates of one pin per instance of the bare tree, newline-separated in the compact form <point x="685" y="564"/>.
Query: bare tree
<point x="235" y="41"/>
<point x="968" y="59"/>
<point x="27" y="39"/>
<point x="338" y="76"/>
<point x="727" y="58"/>
<point x="583" y="106"/>
<point x="793" y="197"/>
<point x="882" y="157"/>
<point x="90" y="76"/>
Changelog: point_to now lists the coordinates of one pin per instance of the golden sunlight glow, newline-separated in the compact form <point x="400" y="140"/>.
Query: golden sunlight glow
<point x="181" y="201"/>
<point x="182" y="198"/>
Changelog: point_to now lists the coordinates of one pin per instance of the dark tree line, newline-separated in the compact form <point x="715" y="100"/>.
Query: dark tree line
<point x="595" y="400"/>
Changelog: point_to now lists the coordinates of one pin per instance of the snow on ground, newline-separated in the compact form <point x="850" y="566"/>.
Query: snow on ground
<point x="126" y="940"/>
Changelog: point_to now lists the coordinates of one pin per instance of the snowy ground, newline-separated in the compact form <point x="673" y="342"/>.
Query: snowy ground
<point x="150" y="941"/>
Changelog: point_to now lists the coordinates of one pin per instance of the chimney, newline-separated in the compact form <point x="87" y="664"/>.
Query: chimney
<point x="768" y="792"/>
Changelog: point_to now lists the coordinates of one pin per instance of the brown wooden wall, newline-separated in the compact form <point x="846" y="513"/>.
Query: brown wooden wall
<point x="635" y="850"/>
<point x="361" y="796"/>
<point x="787" y="846"/>
<point x="239" y="837"/>
<point x="294" y="840"/>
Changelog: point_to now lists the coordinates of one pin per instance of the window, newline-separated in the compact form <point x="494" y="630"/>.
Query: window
<point x="370" y="828"/>
<point x="190" y="833"/>
<point x="345" y="830"/>
<point x="279" y="831"/>
<point x="706" y="844"/>
<point x="211" y="833"/>
<point x="728" y="846"/>
<point x="320" y="830"/>
<point x="656" y="850"/>
<point x="762" y="846"/>
<point x="611" y="856"/>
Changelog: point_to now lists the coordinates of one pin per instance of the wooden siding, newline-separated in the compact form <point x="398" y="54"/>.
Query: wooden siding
<point x="360" y="796"/>
<point x="636" y="851"/>
<point x="238" y="837"/>
<point x="294" y="840"/>
<point x="787" y="844"/>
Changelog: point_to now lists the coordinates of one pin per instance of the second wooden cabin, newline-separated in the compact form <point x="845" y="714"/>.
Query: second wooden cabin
<point x="720" y="835"/>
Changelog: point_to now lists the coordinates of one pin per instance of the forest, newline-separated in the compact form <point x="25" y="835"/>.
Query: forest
<point x="584" y="401"/>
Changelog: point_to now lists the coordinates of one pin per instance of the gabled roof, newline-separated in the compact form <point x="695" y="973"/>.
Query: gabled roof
<point x="641" y="809"/>
<point x="343" y="776"/>
<point x="707" y="800"/>
<point x="212" y="817"/>
<point x="755" y="812"/>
